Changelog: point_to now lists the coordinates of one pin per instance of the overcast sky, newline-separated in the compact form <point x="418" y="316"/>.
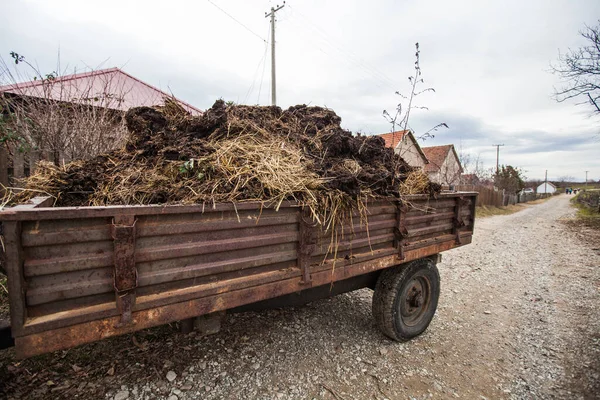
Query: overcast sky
<point x="488" y="62"/>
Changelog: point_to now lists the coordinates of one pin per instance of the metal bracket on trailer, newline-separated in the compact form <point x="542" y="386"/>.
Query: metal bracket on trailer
<point x="125" y="272"/>
<point x="458" y="221"/>
<point x="400" y="231"/>
<point x="306" y="245"/>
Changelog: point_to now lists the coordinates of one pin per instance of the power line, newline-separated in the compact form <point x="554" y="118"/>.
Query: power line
<point x="255" y="76"/>
<point x="251" y="88"/>
<point x="352" y="56"/>
<point x="236" y="20"/>
<point x="263" y="71"/>
<point x="322" y="44"/>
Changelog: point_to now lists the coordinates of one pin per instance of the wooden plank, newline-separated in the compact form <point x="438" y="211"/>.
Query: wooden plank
<point x="429" y="229"/>
<point x="191" y="249"/>
<point x="215" y="235"/>
<point x="36" y="238"/>
<point x="161" y="229"/>
<point x="427" y="218"/>
<point x="14" y="273"/>
<point x="189" y="271"/>
<point x="227" y="257"/>
<point x="69" y="250"/>
<point x="111" y="211"/>
<point x="65" y="225"/>
<point x="356" y="243"/>
<point x="351" y="255"/>
<point x="57" y="265"/>
<point x="68" y="287"/>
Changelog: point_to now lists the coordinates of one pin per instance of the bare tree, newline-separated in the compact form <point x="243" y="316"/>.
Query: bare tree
<point x="56" y="118"/>
<point x="401" y="114"/>
<point x="580" y="70"/>
<point x="472" y="165"/>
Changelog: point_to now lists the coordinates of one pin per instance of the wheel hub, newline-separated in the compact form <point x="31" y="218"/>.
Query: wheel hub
<point x="415" y="302"/>
<point x="415" y="297"/>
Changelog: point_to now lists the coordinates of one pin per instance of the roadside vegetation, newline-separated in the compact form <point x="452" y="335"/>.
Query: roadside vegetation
<point x="588" y="205"/>
<point x="489" y="211"/>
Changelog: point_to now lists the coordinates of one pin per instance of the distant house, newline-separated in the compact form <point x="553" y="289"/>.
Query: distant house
<point x="546" y="187"/>
<point x="444" y="165"/>
<point x="469" y="179"/>
<point x="405" y="144"/>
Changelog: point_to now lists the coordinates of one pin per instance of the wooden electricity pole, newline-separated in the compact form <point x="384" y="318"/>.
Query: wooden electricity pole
<point x="497" y="156"/>
<point x="586" y="172"/>
<point x="273" y="78"/>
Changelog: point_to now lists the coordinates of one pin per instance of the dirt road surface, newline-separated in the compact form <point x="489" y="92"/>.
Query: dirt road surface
<point x="518" y="318"/>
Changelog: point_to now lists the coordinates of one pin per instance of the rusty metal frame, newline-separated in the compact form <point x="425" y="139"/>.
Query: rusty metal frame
<point x="306" y="244"/>
<point x="124" y="273"/>
<point x="400" y="230"/>
<point x="458" y="220"/>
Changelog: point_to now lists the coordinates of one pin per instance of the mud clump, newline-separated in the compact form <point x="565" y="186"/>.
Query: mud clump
<point x="233" y="153"/>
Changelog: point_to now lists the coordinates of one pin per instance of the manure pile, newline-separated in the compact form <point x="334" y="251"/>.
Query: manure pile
<point x="235" y="153"/>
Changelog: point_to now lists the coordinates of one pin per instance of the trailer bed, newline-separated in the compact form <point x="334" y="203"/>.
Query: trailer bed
<point x="77" y="275"/>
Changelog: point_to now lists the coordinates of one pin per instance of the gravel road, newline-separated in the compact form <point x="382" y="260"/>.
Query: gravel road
<point x="518" y="317"/>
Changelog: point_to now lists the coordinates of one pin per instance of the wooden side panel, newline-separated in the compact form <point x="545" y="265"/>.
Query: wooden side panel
<point x="191" y="260"/>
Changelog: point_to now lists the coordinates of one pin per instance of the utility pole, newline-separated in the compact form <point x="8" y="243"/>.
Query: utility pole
<point x="273" y="79"/>
<point x="546" y="183"/>
<point x="497" y="156"/>
<point x="586" y="172"/>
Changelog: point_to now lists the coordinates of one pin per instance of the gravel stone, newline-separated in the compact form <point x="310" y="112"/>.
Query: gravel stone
<point x="122" y="395"/>
<point x="171" y="375"/>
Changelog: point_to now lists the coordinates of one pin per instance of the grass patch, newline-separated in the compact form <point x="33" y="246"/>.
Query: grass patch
<point x="539" y="201"/>
<point x="587" y="215"/>
<point x="489" y="211"/>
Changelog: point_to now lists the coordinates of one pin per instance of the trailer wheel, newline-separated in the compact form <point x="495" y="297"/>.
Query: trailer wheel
<point x="406" y="298"/>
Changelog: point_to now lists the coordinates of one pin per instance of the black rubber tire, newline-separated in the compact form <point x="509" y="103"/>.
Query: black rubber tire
<point x="401" y="289"/>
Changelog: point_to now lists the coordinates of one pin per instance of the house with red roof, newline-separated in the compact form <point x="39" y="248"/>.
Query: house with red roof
<point x="110" y="88"/>
<point x="444" y="165"/>
<point x="405" y="144"/>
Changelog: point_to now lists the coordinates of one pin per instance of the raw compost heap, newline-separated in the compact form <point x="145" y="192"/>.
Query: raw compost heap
<point x="235" y="153"/>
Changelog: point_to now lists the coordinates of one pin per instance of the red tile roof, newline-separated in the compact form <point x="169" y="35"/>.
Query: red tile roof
<point x="110" y="88"/>
<point x="436" y="156"/>
<point x="393" y="138"/>
<point x="469" y="179"/>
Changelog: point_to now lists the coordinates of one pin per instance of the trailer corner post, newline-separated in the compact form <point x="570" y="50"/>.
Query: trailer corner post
<point x="125" y="272"/>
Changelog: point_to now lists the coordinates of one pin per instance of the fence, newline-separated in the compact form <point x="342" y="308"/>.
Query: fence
<point x="15" y="165"/>
<point x="487" y="196"/>
<point x="496" y="198"/>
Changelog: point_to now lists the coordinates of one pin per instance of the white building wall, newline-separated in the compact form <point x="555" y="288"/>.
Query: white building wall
<point x="546" y="188"/>
<point x="409" y="152"/>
